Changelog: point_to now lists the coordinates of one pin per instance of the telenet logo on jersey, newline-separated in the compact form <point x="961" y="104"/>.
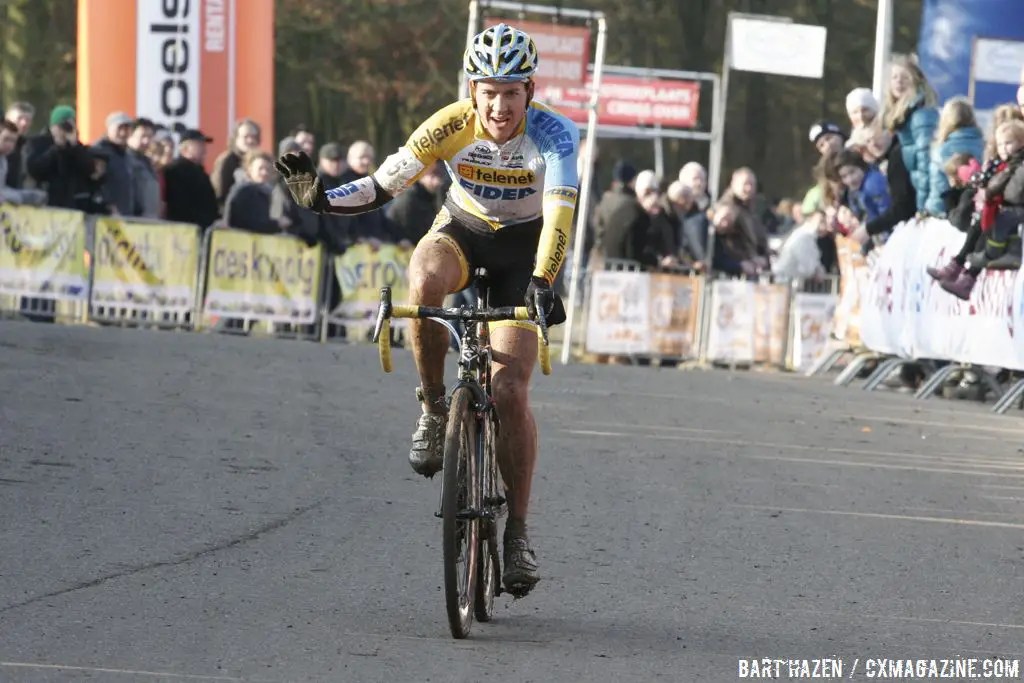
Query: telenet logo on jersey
<point x="512" y="184"/>
<point x="503" y="177"/>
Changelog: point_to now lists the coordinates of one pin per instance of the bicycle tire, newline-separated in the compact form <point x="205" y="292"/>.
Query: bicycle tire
<point x="488" y="568"/>
<point x="460" y="491"/>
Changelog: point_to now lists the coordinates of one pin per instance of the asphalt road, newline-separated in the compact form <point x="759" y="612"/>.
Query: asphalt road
<point x="195" y="507"/>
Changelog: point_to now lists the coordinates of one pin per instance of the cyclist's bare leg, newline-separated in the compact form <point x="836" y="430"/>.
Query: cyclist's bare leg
<point x="514" y="352"/>
<point x="435" y="271"/>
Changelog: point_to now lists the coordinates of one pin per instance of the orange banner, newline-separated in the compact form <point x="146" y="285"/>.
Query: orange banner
<point x="199" y="63"/>
<point x="854" y="279"/>
<point x="771" y="323"/>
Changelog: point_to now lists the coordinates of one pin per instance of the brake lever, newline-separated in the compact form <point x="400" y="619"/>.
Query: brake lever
<point x="541" y="316"/>
<point x="383" y="312"/>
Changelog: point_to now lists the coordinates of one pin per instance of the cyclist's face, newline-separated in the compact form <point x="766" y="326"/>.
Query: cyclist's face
<point x="501" y="106"/>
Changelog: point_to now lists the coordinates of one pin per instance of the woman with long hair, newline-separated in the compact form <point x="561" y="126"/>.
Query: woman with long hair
<point x="909" y="112"/>
<point x="958" y="133"/>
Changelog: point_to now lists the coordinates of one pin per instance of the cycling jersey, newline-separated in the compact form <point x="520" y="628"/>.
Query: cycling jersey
<point x="533" y="175"/>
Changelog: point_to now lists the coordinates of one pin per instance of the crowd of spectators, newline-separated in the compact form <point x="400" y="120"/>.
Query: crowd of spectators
<point x="899" y="158"/>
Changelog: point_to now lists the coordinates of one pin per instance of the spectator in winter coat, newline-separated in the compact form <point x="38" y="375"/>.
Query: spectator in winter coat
<point x="119" y="184"/>
<point x="190" y="194"/>
<point x="884" y="147"/>
<point x="693" y="225"/>
<point x="334" y="228"/>
<point x="373" y="226"/>
<point x="248" y="205"/>
<point x="227" y="168"/>
<point x="958" y="133"/>
<point x="20" y="115"/>
<point x="742" y="196"/>
<point x="735" y="252"/>
<point x="58" y="163"/>
<point x="147" y="192"/>
<point x="620" y="222"/>
<point x="828" y="138"/>
<point x="867" y="190"/>
<point x="910" y="114"/>
<point x="8" y="143"/>
<point x="695" y="177"/>
<point x="299" y="221"/>
<point x="412" y="212"/>
<point x="1002" y="114"/>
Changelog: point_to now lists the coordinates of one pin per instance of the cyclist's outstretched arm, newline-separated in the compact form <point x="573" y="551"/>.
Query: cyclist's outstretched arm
<point x="559" y="142"/>
<point x="428" y="144"/>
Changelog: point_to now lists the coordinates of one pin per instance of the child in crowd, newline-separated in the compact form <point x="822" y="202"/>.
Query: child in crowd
<point x="965" y="175"/>
<point x="999" y="210"/>
<point x="958" y="133"/>
<point x="867" y="190"/>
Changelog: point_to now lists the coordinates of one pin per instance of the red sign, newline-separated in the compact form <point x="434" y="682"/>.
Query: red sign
<point x="630" y="101"/>
<point x="564" y="51"/>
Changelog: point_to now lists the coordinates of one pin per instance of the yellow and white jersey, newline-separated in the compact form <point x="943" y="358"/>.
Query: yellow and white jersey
<point x="499" y="184"/>
<point x="532" y="175"/>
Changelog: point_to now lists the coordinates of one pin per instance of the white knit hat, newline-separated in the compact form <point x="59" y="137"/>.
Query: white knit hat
<point x="645" y="180"/>
<point x="861" y="97"/>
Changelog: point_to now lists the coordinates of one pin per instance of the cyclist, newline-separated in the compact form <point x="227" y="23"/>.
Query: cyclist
<point x="509" y="210"/>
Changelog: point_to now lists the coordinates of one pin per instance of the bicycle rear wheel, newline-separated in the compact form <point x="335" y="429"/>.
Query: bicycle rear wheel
<point x="460" y="494"/>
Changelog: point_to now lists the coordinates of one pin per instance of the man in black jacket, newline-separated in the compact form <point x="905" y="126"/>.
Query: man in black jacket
<point x="190" y="194"/>
<point x="20" y="114"/>
<point x="58" y="163"/>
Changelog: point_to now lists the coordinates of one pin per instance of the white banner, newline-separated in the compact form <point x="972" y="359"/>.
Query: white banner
<point x="167" y="62"/>
<point x="813" y="316"/>
<point x="731" y="330"/>
<point x="618" y="322"/>
<point x="906" y="313"/>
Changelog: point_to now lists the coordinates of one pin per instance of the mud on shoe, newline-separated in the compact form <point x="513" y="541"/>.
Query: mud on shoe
<point x="520" y="562"/>
<point x="427" y="453"/>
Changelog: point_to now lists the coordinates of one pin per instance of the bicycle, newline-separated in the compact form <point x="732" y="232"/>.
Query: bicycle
<point x="471" y="500"/>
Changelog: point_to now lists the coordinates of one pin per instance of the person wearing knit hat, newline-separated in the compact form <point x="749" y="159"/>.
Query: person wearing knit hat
<point x="623" y="172"/>
<point x="861" y="107"/>
<point x="826" y="136"/>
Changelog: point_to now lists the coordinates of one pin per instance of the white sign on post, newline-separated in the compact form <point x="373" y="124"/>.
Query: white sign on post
<point x="775" y="47"/>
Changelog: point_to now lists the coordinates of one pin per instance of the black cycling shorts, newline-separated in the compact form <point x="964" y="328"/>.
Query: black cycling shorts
<point x="508" y="254"/>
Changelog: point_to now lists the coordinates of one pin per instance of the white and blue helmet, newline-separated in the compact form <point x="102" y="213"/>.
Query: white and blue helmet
<point x="502" y="53"/>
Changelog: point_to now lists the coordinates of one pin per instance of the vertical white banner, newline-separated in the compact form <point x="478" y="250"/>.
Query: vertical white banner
<point x="167" y="61"/>
<point x="619" y="318"/>
<point x="731" y="332"/>
<point x="813" y="315"/>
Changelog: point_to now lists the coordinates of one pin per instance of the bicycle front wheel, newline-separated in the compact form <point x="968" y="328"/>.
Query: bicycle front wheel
<point x="460" y="503"/>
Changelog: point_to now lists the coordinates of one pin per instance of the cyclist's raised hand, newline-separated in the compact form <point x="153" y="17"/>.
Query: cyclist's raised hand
<point x="539" y="289"/>
<point x="303" y="182"/>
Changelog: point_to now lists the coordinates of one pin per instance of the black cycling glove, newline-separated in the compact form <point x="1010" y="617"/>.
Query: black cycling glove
<point x="303" y="181"/>
<point x="540" y="289"/>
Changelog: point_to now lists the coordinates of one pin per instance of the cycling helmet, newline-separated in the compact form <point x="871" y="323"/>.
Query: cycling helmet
<point x="502" y="53"/>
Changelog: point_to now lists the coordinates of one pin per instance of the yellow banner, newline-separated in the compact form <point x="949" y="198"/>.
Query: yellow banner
<point x="145" y="266"/>
<point x="362" y="271"/>
<point x="43" y="253"/>
<point x="262" y="277"/>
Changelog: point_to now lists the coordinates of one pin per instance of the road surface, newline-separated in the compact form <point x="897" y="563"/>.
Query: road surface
<point x="184" y="507"/>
